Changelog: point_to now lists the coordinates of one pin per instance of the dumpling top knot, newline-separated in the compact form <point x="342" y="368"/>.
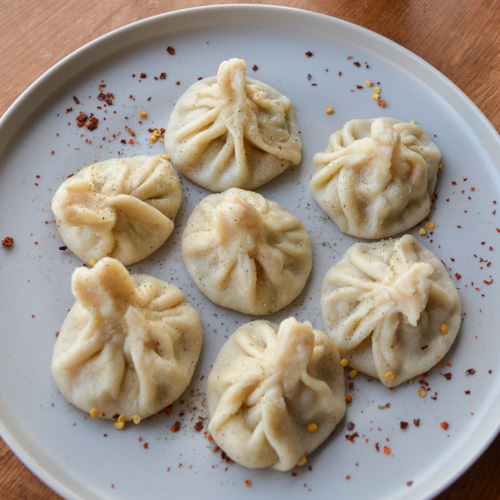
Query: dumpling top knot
<point x="410" y="290"/>
<point x="238" y="215"/>
<point x="106" y="289"/>
<point x="291" y="353"/>
<point x="384" y="134"/>
<point x="231" y="81"/>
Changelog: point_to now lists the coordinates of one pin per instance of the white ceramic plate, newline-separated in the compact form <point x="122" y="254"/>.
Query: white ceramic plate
<point x="84" y="458"/>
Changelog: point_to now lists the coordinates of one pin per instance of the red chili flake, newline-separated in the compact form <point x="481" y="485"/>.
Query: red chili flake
<point x="458" y="276"/>
<point x="470" y="371"/>
<point x="350" y="57"/>
<point x="294" y="474"/>
<point x="377" y="447"/>
<point x="348" y="477"/>
<point x="447" y="376"/>
<point x="108" y="97"/>
<point x="387" y="450"/>
<point x="76" y="99"/>
<point x="130" y="131"/>
<point x="63" y="248"/>
<point x="171" y="50"/>
<point x="351" y="437"/>
<point x="340" y="73"/>
<point x="145" y="446"/>
<point x="357" y="64"/>
<point x="248" y="483"/>
<point x="309" y="53"/>
<point x="93" y="122"/>
<point x="467" y="392"/>
<point x="7" y="241"/>
<point x="177" y="82"/>
<point x="68" y="110"/>
<point x="424" y="347"/>
<point x="255" y="67"/>
<point x="309" y="76"/>
<point x="163" y="76"/>
<point x="444" y="425"/>
<point x="409" y="483"/>
<point x="403" y="425"/>
<point x="381" y="103"/>
<point x="81" y="119"/>
<point x="198" y="426"/>
<point x="359" y="86"/>
<point x="112" y="486"/>
<point x="176" y="427"/>
<point x="416" y="422"/>
<point x="488" y="282"/>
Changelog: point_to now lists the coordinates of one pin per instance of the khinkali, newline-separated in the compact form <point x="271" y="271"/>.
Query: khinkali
<point x="391" y="309"/>
<point x="245" y="252"/>
<point x="128" y="346"/>
<point x="376" y="177"/>
<point x="232" y="131"/>
<point x="275" y="393"/>
<point x="121" y="208"/>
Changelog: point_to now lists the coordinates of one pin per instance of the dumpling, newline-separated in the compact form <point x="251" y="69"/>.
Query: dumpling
<point x="275" y="393"/>
<point x="232" y="131"/>
<point x="128" y="346"/>
<point x="391" y="309"/>
<point x="246" y="253"/>
<point x="376" y="177"/>
<point x="122" y="208"/>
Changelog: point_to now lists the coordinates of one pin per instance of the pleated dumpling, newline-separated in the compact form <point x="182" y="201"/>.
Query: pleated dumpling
<point x="232" y="131"/>
<point x="376" y="177"/>
<point x="391" y="309"/>
<point x="122" y="208"/>
<point x="128" y="346"/>
<point x="245" y="252"/>
<point x="275" y="393"/>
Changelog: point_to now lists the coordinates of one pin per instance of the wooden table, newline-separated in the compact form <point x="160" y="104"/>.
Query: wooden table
<point x="461" y="39"/>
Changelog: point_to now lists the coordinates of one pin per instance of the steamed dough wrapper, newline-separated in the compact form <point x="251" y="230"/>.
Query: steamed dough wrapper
<point x="376" y="177"/>
<point x="246" y="253"/>
<point x="268" y="384"/>
<point x="128" y="346"/>
<point x="384" y="305"/>
<point x="122" y="208"/>
<point x="232" y="131"/>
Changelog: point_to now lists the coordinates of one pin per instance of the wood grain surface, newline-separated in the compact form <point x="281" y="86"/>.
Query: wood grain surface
<point x="461" y="38"/>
